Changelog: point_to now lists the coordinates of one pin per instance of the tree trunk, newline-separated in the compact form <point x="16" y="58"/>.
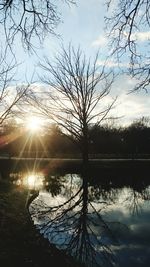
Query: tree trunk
<point x="85" y="149"/>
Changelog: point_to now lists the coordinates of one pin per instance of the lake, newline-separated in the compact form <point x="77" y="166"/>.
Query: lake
<point x="100" y="219"/>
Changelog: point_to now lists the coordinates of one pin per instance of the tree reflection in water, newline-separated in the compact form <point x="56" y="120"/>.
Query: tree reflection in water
<point x="70" y="216"/>
<point x="75" y="225"/>
<point x="135" y="199"/>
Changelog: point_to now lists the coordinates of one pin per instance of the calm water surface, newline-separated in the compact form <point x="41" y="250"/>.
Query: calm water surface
<point x="100" y="222"/>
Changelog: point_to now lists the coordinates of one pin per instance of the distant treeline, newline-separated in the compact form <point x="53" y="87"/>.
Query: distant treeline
<point x="133" y="139"/>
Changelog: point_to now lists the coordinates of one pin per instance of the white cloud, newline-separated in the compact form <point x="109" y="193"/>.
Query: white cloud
<point x="100" y="41"/>
<point x="140" y="36"/>
<point x="111" y="63"/>
<point x="129" y="106"/>
<point x="143" y="36"/>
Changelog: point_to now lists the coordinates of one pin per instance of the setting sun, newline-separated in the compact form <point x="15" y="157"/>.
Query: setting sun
<point x="33" y="124"/>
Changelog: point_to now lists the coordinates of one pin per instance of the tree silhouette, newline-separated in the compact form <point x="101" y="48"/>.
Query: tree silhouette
<point x="9" y="95"/>
<point x="31" y="19"/>
<point x="128" y="27"/>
<point x="75" y="95"/>
<point x="75" y="226"/>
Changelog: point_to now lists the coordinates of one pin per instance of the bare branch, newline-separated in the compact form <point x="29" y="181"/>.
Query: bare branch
<point x="129" y="29"/>
<point x="29" y="19"/>
<point x="74" y="93"/>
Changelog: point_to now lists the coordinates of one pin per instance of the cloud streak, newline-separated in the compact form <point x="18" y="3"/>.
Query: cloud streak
<point x="139" y="36"/>
<point x="100" y="41"/>
<point x="111" y="63"/>
<point x="129" y="106"/>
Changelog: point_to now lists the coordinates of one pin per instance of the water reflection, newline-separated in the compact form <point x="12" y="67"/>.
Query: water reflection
<point x="30" y="180"/>
<point x="100" y="221"/>
<point x="34" y="181"/>
<point x="97" y="223"/>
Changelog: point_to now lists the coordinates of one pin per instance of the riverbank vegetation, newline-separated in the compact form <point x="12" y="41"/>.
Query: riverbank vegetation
<point x="106" y="140"/>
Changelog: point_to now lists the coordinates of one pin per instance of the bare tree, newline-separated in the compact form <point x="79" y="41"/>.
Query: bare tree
<point x="128" y="27"/>
<point x="29" y="19"/>
<point x="75" y="226"/>
<point x="75" y="95"/>
<point x="32" y="18"/>
<point x="9" y="95"/>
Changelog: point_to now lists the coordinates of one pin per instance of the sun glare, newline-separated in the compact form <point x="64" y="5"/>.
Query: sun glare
<point x="31" y="180"/>
<point x="34" y="181"/>
<point x="33" y="124"/>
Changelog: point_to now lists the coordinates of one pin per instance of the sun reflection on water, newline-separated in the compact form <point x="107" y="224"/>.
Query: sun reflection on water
<point x="34" y="181"/>
<point x="30" y="181"/>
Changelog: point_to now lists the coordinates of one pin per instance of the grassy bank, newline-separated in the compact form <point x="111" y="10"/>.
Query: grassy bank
<point x="20" y="243"/>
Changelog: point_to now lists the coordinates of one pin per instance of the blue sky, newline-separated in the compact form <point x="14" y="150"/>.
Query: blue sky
<point x="83" y="24"/>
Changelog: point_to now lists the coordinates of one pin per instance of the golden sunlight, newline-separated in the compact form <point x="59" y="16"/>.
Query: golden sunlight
<point x="33" y="124"/>
<point x="31" y="180"/>
<point x="34" y="181"/>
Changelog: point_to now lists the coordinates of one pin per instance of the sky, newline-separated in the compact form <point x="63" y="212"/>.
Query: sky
<point x="83" y="24"/>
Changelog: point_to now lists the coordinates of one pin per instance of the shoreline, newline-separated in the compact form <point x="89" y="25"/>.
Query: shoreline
<point x="21" y="244"/>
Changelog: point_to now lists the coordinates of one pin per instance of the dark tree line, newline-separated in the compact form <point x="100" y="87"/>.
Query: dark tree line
<point x="133" y="139"/>
<point x="17" y="141"/>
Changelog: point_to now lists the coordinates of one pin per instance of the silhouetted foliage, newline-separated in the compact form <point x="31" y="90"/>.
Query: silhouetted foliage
<point x="16" y="140"/>
<point x="132" y="139"/>
<point x="73" y="97"/>
<point x="30" y="19"/>
<point x="128" y="26"/>
<point x="9" y="95"/>
<point x="129" y="141"/>
<point x="57" y="143"/>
